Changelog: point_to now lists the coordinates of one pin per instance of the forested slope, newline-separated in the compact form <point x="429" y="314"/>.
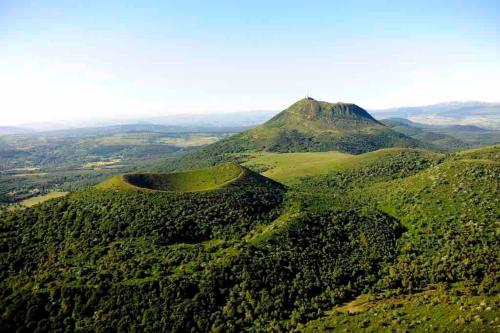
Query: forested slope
<point x="306" y="126"/>
<point x="131" y="260"/>
<point x="257" y="256"/>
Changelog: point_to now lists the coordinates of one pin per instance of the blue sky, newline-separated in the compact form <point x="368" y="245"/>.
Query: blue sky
<point x="61" y="60"/>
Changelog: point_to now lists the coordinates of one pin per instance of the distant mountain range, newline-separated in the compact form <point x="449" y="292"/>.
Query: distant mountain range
<point x="486" y="115"/>
<point x="445" y="137"/>
<point x="126" y="128"/>
<point x="211" y="120"/>
<point x="6" y="130"/>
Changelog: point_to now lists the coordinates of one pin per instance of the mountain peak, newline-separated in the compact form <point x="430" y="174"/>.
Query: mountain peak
<point x="310" y="112"/>
<point x="309" y="125"/>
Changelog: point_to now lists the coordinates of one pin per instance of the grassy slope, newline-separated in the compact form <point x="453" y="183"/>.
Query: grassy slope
<point x="433" y="310"/>
<point x="488" y="153"/>
<point x="306" y="126"/>
<point x="196" y="180"/>
<point x="221" y="175"/>
<point x="287" y="167"/>
<point x="117" y="183"/>
<point x="447" y="207"/>
<point x="310" y="125"/>
<point x="42" y="198"/>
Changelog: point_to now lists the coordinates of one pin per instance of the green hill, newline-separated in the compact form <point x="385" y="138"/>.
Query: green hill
<point x="310" y="125"/>
<point x="397" y="238"/>
<point x="435" y="310"/>
<point x="294" y="167"/>
<point x="238" y="258"/>
<point x="219" y="176"/>
<point x="434" y="138"/>
<point x="487" y="153"/>
<point x="451" y="212"/>
<point x="306" y="126"/>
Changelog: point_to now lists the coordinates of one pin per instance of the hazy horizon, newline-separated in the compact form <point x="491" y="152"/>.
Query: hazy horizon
<point x="62" y="61"/>
<point x="122" y="119"/>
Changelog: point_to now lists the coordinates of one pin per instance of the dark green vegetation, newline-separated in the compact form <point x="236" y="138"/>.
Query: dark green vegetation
<point x="307" y="125"/>
<point x="216" y="260"/>
<point x="394" y="164"/>
<point x="34" y="164"/>
<point x="451" y="212"/>
<point x="397" y="238"/>
<point x="406" y="239"/>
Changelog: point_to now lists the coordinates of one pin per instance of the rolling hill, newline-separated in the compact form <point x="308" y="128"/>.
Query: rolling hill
<point x="483" y="114"/>
<point x="9" y="130"/>
<point x="397" y="238"/>
<point x="445" y="137"/>
<point x="306" y="126"/>
<point x="227" y="174"/>
<point x="236" y="258"/>
<point x="291" y="168"/>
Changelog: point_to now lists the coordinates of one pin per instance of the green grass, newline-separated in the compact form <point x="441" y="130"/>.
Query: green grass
<point x="118" y="183"/>
<point x="42" y="198"/>
<point x="284" y="166"/>
<point x="221" y="175"/>
<point x="190" y="181"/>
<point x="489" y="153"/>
<point x="189" y="141"/>
<point x="428" y="311"/>
<point x="185" y="140"/>
<point x="288" y="167"/>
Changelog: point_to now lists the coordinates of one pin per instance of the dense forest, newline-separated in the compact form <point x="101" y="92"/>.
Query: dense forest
<point x="226" y="249"/>
<point x="254" y="255"/>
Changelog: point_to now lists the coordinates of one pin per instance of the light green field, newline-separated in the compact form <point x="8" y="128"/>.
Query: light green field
<point x="189" y="141"/>
<point x="490" y="153"/>
<point x="42" y="198"/>
<point x="99" y="164"/>
<point x="286" y="167"/>
<point x="125" y="139"/>
<point x="283" y="166"/>
<point x="148" y="138"/>
<point x="37" y="174"/>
